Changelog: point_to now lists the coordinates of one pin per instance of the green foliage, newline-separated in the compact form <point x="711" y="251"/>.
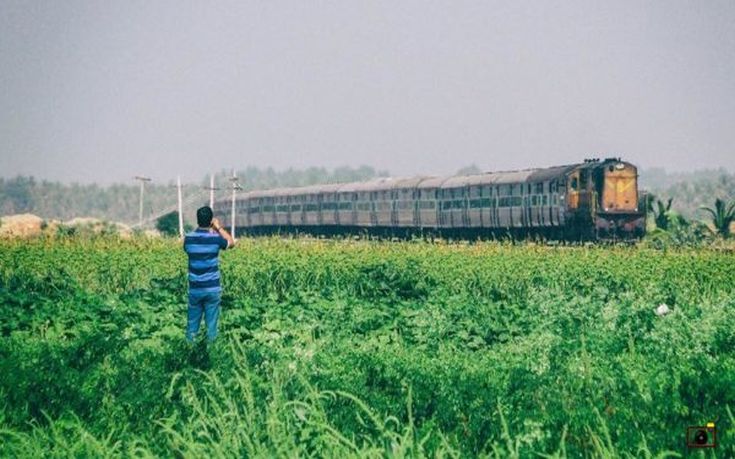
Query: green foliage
<point x="662" y="214"/>
<point x="723" y="214"/>
<point x="361" y="348"/>
<point x="168" y="224"/>
<point x="690" y="190"/>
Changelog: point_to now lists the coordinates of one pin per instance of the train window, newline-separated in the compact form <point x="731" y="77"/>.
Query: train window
<point x="534" y="200"/>
<point x="539" y="188"/>
<point x="574" y="183"/>
<point x="295" y="207"/>
<point x="458" y="204"/>
<point x="545" y="200"/>
<point x="583" y="179"/>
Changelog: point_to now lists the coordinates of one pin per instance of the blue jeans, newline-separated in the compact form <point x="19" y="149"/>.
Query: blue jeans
<point x="206" y="304"/>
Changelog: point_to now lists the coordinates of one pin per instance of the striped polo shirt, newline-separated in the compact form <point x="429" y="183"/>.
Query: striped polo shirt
<point x="203" y="248"/>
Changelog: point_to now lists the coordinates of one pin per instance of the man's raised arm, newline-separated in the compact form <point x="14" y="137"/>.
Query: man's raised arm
<point x="223" y="232"/>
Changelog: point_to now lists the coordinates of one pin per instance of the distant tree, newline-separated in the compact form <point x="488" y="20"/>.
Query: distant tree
<point x="17" y="195"/>
<point x="472" y="169"/>
<point x="690" y="190"/>
<point x="723" y="214"/>
<point x="169" y="224"/>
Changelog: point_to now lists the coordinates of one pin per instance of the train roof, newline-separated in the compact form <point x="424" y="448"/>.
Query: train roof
<point x="427" y="182"/>
<point x="548" y="173"/>
<point x="433" y="182"/>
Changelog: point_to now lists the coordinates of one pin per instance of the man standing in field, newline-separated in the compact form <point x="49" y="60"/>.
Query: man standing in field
<point x="203" y="246"/>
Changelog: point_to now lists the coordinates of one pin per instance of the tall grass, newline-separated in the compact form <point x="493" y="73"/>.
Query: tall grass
<point x="365" y="349"/>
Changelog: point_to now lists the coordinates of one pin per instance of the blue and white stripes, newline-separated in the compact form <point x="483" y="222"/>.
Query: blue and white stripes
<point x="203" y="248"/>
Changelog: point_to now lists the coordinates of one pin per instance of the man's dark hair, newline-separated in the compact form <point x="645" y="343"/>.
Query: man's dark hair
<point x="204" y="216"/>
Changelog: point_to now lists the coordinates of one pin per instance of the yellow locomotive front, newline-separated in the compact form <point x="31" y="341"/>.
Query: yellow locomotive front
<point x="619" y="213"/>
<point x="603" y="200"/>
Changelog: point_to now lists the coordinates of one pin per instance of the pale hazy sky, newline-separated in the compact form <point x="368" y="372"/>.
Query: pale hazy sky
<point x="103" y="90"/>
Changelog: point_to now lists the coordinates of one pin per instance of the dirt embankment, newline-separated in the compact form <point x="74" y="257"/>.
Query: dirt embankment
<point x="29" y="225"/>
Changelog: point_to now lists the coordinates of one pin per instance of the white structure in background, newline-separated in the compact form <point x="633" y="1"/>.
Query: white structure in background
<point x="235" y="187"/>
<point x="181" y="207"/>
<point x="142" y="180"/>
<point x="211" y="190"/>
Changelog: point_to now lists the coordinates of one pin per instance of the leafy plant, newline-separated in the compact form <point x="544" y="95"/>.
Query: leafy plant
<point x="661" y="214"/>
<point x="723" y="214"/>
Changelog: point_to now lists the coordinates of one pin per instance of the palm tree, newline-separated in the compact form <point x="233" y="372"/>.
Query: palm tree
<point x="661" y="217"/>
<point x="722" y="216"/>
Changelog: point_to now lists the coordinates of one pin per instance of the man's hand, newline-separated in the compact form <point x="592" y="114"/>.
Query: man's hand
<point x="223" y="232"/>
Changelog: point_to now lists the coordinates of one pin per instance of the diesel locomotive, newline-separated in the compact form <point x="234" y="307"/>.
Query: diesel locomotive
<point x="595" y="199"/>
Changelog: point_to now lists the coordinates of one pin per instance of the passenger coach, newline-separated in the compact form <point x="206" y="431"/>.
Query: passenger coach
<point x="590" y="200"/>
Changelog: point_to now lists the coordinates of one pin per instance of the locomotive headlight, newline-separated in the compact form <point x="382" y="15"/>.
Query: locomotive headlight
<point x="620" y="166"/>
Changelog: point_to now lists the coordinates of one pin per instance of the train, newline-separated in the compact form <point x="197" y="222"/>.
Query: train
<point x="592" y="200"/>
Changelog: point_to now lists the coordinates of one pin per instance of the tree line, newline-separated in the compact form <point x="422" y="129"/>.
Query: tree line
<point x="120" y="202"/>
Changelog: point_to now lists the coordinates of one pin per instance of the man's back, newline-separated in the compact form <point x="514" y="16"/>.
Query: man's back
<point x="203" y="248"/>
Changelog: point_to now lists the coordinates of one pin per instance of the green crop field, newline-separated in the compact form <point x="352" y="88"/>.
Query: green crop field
<point x="357" y="348"/>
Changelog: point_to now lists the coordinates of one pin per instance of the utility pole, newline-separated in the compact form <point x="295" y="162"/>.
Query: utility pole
<point x="211" y="190"/>
<point x="235" y="187"/>
<point x="142" y="181"/>
<point x="181" y="207"/>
